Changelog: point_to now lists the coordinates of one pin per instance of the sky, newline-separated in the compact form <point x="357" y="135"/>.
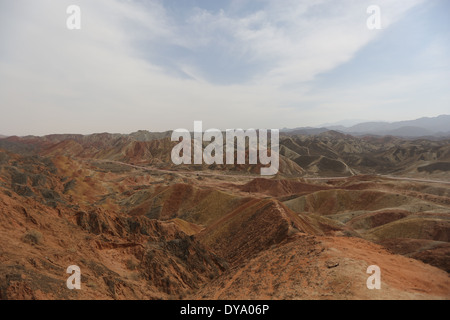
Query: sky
<point x="161" y="65"/>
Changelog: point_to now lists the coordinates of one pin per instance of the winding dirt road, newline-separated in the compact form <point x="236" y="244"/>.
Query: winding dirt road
<point x="252" y="176"/>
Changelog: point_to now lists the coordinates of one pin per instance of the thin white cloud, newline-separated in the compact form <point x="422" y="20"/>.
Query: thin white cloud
<point x="297" y="39"/>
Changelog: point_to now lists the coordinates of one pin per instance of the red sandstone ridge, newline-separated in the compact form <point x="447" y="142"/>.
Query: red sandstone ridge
<point x="308" y="267"/>
<point x="252" y="228"/>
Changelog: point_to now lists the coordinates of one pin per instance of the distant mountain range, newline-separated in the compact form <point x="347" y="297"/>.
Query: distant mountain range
<point x="423" y="127"/>
<point x="434" y="127"/>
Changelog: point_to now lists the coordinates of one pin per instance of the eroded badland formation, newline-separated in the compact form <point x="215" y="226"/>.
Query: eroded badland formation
<point x="141" y="228"/>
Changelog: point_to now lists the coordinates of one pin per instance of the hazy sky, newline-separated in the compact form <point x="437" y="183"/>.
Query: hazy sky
<point x="160" y="65"/>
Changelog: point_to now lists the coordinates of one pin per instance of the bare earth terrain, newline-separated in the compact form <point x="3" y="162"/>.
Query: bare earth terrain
<point x="141" y="228"/>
